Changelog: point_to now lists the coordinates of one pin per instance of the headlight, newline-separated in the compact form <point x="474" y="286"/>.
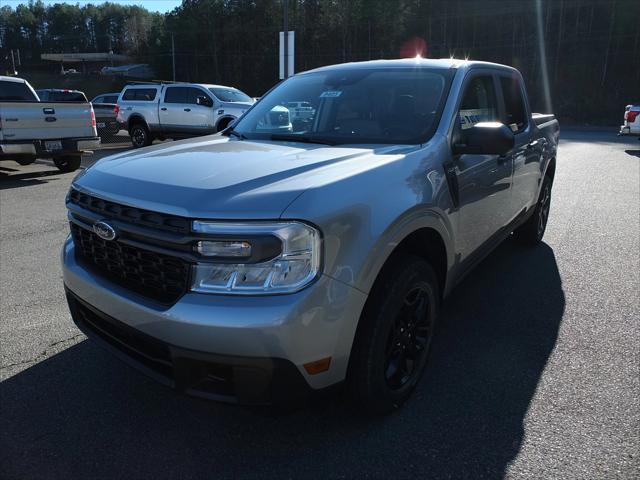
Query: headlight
<point x="255" y="258"/>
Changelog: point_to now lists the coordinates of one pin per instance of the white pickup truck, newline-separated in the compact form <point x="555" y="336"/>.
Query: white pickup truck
<point x="178" y="110"/>
<point x="31" y="129"/>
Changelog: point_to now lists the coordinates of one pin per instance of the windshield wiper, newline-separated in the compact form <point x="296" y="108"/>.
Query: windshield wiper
<point x="239" y="135"/>
<point x="292" y="137"/>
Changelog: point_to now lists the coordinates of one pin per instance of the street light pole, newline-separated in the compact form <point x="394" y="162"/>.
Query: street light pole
<point x="286" y="38"/>
<point x="173" y="56"/>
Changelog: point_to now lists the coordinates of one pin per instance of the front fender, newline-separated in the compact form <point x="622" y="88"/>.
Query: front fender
<point x="366" y="207"/>
<point x="411" y="221"/>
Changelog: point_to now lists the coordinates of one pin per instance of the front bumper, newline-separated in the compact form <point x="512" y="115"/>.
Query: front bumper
<point x="261" y="343"/>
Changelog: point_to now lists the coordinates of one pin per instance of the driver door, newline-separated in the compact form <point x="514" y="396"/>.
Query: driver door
<point x="484" y="181"/>
<point x="198" y="118"/>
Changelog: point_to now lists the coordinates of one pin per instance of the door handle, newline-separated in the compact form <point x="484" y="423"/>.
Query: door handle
<point x="164" y="109"/>
<point x="187" y="109"/>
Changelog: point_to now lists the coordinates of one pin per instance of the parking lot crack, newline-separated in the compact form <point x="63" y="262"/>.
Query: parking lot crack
<point x="44" y="354"/>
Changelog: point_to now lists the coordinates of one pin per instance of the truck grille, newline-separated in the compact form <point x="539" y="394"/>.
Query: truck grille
<point x="160" y="277"/>
<point x="127" y="214"/>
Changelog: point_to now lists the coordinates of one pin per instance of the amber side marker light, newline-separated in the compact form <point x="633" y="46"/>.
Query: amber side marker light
<point x="318" y="366"/>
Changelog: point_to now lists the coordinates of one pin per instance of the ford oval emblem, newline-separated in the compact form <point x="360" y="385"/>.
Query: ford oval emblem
<point x="104" y="230"/>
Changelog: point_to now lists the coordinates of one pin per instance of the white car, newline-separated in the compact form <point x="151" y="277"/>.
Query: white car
<point x="178" y="110"/>
<point x="631" y="124"/>
<point x="301" y="111"/>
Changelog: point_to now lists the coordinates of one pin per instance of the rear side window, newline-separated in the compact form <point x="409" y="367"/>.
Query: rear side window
<point x="176" y="95"/>
<point x="515" y="112"/>
<point x="140" y="94"/>
<point x="15" y="92"/>
<point x="110" y="99"/>
<point x="479" y="102"/>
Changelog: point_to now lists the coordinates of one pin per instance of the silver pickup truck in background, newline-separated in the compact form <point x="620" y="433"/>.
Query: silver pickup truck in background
<point x="178" y="110"/>
<point x="31" y="129"/>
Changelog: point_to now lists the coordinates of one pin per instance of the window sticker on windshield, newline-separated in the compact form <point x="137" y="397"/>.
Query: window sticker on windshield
<point x="331" y="94"/>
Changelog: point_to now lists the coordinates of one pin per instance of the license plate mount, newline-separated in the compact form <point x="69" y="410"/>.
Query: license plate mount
<point x="53" y="145"/>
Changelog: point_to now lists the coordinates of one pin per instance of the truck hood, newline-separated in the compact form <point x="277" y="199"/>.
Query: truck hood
<point x="220" y="178"/>
<point x="238" y="105"/>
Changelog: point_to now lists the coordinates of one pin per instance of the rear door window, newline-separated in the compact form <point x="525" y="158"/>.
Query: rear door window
<point x="479" y="103"/>
<point x="176" y="95"/>
<point x="515" y="111"/>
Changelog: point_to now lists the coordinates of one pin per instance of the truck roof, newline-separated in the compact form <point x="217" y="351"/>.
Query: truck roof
<point x="175" y="84"/>
<point x="12" y="79"/>
<point x="442" y="63"/>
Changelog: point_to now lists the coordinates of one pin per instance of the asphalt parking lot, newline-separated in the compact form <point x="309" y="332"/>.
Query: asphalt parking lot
<point x="535" y="373"/>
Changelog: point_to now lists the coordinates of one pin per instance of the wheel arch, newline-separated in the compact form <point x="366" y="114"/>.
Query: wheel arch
<point x="424" y="242"/>
<point x="224" y="118"/>
<point x="551" y="168"/>
<point x="420" y="232"/>
<point x="134" y="119"/>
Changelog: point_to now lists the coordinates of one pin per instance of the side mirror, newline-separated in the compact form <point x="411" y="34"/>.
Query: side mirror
<point x="204" y="101"/>
<point x="485" y="138"/>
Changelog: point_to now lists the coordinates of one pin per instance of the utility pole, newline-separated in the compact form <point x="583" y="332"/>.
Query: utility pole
<point x="286" y="38"/>
<point x="173" y="56"/>
<point x="13" y="63"/>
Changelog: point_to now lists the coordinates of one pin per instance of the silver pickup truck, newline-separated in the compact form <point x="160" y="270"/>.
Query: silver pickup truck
<point x="178" y="110"/>
<point x="31" y="129"/>
<point x="281" y="258"/>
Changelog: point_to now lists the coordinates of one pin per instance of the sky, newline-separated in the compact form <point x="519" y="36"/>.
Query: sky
<point x="152" y="5"/>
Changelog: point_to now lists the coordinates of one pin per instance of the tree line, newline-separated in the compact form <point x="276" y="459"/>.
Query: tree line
<point x="589" y="49"/>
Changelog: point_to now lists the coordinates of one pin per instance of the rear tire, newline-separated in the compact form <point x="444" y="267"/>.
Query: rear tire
<point x="140" y="135"/>
<point x="393" y="340"/>
<point x="68" y="163"/>
<point x="531" y="232"/>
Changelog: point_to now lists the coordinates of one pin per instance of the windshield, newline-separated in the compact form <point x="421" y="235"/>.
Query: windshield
<point x="351" y="106"/>
<point x="230" y="95"/>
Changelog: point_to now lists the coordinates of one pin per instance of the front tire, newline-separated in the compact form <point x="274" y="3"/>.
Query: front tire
<point x="393" y="340"/>
<point x="68" y="163"/>
<point x="531" y="232"/>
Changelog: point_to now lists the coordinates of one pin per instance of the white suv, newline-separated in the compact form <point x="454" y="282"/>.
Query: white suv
<point x="178" y="110"/>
